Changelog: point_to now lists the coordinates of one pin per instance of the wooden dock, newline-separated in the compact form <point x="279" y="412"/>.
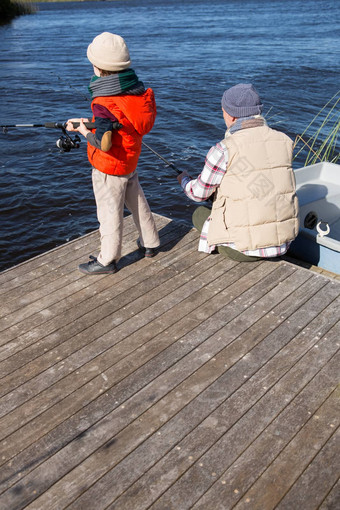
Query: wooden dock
<point x="185" y="381"/>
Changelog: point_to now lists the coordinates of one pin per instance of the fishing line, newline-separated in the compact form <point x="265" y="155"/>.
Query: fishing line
<point x="72" y="87"/>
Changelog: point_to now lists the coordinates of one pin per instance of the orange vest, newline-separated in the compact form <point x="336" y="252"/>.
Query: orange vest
<point x="137" y="115"/>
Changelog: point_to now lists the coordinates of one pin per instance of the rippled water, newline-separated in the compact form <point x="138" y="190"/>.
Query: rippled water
<point x="189" y="53"/>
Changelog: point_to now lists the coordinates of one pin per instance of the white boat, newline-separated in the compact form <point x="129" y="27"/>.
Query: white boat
<point x="318" y="191"/>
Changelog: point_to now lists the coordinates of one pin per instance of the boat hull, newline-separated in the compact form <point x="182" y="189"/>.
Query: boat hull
<point x="318" y="191"/>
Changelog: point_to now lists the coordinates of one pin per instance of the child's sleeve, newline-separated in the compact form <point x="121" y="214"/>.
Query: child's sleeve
<point x="105" y="122"/>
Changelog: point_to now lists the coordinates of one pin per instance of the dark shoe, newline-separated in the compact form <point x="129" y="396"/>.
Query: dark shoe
<point x="148" y="252"/>
<point x="95" y="267"/>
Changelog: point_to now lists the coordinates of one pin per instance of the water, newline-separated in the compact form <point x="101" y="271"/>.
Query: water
<point x="189" y="53"/>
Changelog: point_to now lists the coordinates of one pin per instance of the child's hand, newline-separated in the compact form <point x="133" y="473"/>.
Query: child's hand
<point x="82" y="128"/>
<point x="70" y="127"/>
<point x="69" y="124"/>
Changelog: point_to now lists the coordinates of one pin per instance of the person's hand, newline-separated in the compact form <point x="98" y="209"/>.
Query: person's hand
<point x="80" y="128"/>
<point x="69" y="124"/>
<point x="181" y="175"/>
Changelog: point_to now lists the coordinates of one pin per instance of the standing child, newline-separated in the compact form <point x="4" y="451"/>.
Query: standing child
<point x="123" y="111"/>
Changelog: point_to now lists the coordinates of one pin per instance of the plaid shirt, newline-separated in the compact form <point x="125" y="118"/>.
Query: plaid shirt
<point x="205" y="185"/>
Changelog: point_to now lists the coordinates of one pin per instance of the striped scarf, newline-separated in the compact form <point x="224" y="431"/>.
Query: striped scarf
<point x="245" y="123"/>
<point x="124" y="82"/>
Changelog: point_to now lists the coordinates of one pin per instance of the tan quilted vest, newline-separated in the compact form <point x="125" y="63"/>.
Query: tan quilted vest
<point x="255" y="205"/>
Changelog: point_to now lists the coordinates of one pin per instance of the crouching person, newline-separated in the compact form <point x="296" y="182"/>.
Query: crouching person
<point x="254" y="213"/>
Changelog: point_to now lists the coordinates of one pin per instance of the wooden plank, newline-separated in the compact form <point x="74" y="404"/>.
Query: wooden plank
<point x="51" y="267"/>
<point x="142" y="346"/>
<point x="89" y="372"/>
<point x="183" y="381"/>
<point x="331" y="502"/>
<point x="156" y="328"/>
<point x="295" y="458"/>
<point x="233" y="483"/>
<point x="165" y="405"/>
<point x="106" y="404"/>
<point x="44" y="263"/>
<point x="166" y="295"/>
<point x="38" y="266"/>
<point x="61" y="270"/>
<point x="52" y="292"/>
<point x="91" y="287"/>
<point x="100" y="302"/>
<point x="320" y="475"/>
<point x="186" y="452"/>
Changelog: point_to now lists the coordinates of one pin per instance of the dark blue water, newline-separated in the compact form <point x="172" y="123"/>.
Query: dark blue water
<point x="189" y="52"/>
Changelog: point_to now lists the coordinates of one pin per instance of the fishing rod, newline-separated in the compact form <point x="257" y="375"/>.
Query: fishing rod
<point x="209" y="199"/>
<point x="163" y="159"/>
<point x="75" y="142"/>
<point x="65" y="143"/>
<point x="56" y="125"/>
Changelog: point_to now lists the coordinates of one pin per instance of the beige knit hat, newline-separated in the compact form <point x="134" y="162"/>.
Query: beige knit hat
<point x="109" y="52"/>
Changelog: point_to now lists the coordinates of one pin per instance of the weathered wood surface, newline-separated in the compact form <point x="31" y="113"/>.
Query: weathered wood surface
<point x="183" y="381"/>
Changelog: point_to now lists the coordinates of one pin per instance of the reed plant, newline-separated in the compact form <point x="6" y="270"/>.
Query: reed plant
<point x="11" y="9"/>
<point x="322" y="143"/>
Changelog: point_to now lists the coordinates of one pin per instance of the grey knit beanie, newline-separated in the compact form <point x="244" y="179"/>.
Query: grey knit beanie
<point x="242" y="100"/>
<point x="109" y="52"/>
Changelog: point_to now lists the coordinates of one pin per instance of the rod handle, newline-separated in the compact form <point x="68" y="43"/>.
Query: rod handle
<point x="89" y="125"/>
<point x="61" y="125"/>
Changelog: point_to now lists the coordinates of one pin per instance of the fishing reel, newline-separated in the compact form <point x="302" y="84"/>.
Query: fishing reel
<point x="65" y="143"/>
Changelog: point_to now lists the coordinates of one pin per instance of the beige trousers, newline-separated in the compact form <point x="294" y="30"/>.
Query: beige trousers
<point x="111" y="192"/>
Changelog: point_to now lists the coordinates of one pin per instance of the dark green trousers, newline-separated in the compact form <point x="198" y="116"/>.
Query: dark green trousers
<point x="198" y="218"/>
